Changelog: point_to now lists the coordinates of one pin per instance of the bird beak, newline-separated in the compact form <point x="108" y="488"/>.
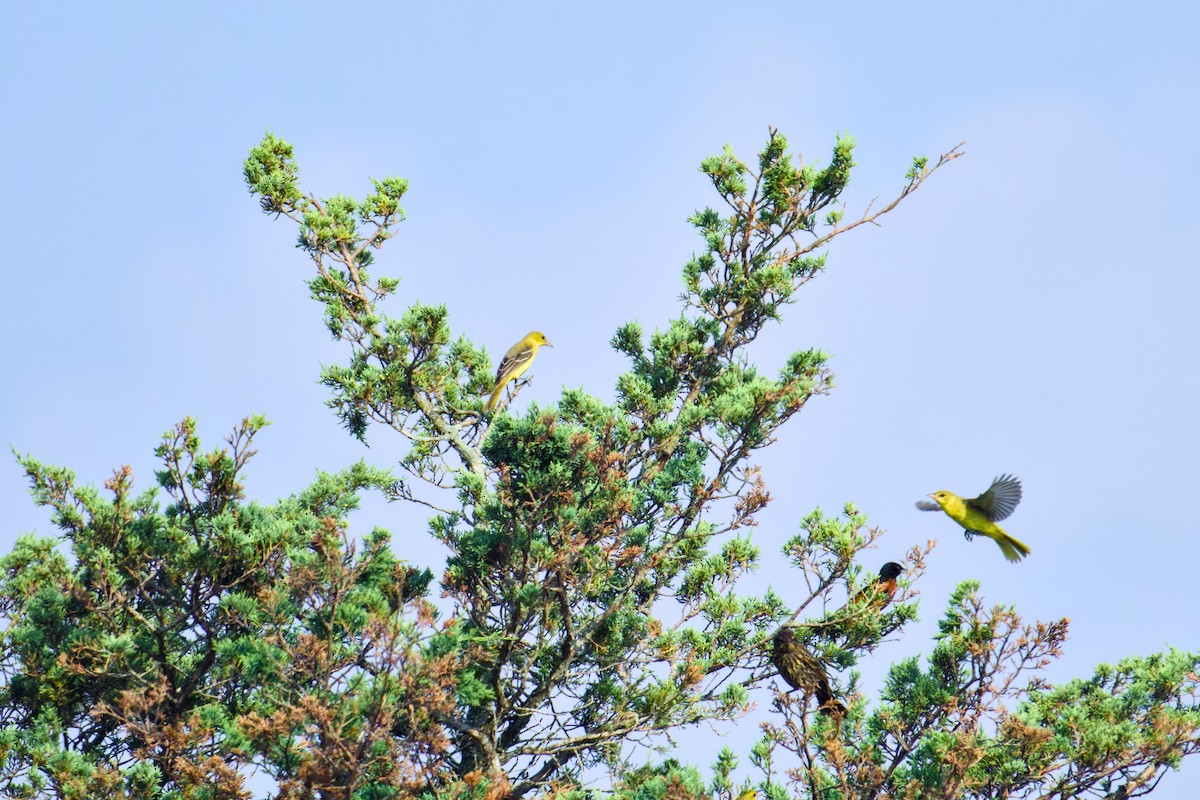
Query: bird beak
<point x="547" y="344"/>
<point x="929" y="495"/>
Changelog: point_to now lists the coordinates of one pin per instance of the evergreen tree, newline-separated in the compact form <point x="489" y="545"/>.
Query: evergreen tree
<point x="174" y="642"/>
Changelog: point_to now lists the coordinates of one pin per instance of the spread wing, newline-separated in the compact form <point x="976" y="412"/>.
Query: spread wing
<point x="928" y="505"/>
<point x="517" y="357"/>
<point x="1001" y="498"/>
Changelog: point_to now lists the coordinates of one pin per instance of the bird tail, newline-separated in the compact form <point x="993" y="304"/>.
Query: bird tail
<point x="832" y="708"/>
<point x="827" y="704"/>
<point x="1013" y="549"/>
<point x="495" y="398"/>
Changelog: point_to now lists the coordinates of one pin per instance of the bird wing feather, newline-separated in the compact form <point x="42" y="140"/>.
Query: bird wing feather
<point x="517" y="355"/>
<point x="1000" y="499"/>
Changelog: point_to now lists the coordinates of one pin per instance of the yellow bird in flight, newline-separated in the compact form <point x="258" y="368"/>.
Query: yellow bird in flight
<point x="980" y="514"/>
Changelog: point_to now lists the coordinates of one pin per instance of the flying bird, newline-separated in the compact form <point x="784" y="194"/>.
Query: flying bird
<point x="980" y="514"/>
<point x="802" y="671"/>
<point x="884" y="589"/>
<point x="518" y="359"/>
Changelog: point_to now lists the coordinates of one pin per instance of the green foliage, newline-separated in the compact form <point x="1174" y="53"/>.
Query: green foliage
<point x="211" y="626"/>
<point x="592" y="599"/>
<point x="943" y="729"/>
<point x="669" y="780"/>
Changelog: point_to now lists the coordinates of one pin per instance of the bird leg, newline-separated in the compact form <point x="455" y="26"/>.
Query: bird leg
<point x="969" y="535"/>
<point x="511" y="391"/>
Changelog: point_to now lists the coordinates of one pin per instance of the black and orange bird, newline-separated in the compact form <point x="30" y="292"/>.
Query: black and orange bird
<point x="884" y="589"/>
<point x="802" y="671"/>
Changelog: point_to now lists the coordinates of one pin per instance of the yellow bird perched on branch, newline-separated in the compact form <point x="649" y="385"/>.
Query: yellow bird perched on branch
<point x="518" y="359"/>
<point x="980" y="514"/>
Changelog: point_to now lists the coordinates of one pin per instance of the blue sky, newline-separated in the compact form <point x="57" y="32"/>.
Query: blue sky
<point x="1030" y="310"/>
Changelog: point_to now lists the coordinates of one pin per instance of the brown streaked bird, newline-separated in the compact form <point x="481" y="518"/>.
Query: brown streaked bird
<point x="801" y="670"/>
<point x="884" y="589"/>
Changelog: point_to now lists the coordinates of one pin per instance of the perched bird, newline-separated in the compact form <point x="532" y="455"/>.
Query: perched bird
<point x="980" y="515"/>
<point x="802" y="671"/>
<point x="876" y="596"/>
<point x="884" y="588"/>
<point x="518" y="359"/>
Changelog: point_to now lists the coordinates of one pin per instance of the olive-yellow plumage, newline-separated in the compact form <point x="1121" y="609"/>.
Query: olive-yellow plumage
<point x="980" y="514"/>
<point x="802" y="671"/>
<point x="518" y="359"/>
